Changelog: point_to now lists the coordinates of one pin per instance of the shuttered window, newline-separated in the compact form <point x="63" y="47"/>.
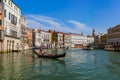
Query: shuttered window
<point x="0" y="22"/>
<point x="4" y="13"/>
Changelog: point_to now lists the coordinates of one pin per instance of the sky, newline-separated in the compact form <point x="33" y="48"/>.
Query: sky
<point x="76" y="16"/>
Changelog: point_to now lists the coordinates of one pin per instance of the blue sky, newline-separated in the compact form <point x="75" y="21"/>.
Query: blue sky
<point x="71" y="15"/>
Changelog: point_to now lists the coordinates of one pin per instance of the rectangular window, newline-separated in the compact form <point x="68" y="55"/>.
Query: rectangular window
<point x="19" y="21"/>
<point x="4" y="13"/>
<point x="9" y="2"/>
<point x="9" y="15"/>
<point x="13" y="19"/>
<point x="14" y="7"/>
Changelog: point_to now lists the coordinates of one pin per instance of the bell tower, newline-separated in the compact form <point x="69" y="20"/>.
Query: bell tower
<point x="93" y="33"/>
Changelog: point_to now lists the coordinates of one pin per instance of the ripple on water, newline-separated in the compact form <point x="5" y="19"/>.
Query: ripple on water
<point x="77" y="65"/>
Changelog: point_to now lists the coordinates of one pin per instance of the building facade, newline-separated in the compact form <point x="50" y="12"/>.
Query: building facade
<point x="30" y="38"/>
<point x="96" y="41"/>
<point x="78" y="40"/>
<point x="114" y="35"/>
<point x="60" y="39"/>
<point x="53" y="38"/>
<point x="24" y="31"/>
<point x="103" y="41"/>
<point x="41" y="38"/>
<point x="90" y="40"/>
<point x="113" y="38"/>
<point x="100" y="41"/>
<point x="67" y="40"/>
<point x="46" y="36"/>
<point x="10" y="15"/>
<point x="37" y="38"/>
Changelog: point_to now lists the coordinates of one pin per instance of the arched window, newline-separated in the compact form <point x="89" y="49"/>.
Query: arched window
<point x="117" y="43"/>
<point x="7" y="45"/>
<point x="12" y="45"/>
<point x="111" y="43"/>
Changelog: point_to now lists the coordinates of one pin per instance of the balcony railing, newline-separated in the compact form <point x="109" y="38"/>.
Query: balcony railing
<point x="12" y="33"/>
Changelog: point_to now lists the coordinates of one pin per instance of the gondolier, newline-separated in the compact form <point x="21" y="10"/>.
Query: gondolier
<point x="40" y="50"/>
<point x="48" y="55"/>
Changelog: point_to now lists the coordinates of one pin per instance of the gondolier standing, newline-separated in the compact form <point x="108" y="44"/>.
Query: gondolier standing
<point x="40" y="50"/>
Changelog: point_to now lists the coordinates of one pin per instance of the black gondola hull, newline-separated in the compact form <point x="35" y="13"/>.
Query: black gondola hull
<point x="47" y="55"/>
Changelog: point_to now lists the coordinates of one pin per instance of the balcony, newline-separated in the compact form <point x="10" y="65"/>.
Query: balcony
<point x="12" y="34"/>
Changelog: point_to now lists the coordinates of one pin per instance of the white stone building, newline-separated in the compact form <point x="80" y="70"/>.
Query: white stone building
<point x="10" y="26"/>
<point x="90" y="40"/>
<point x="46" y="36"/>
<point x="41" y="38"/>
<point x="37" y="38"/>
<point x="78" y="40"/>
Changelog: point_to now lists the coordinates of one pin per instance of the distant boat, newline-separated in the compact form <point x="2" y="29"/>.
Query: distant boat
<point x="49" y="55"/>
<point x="87" y="48"/>
<point x="109" y="48"/>
<point x="67" y="47"/>
<point x="112" y="47"/>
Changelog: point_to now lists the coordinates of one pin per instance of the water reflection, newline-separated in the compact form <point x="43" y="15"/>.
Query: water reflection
<point x="77" y="65"/>
<point x="115" y="57"/>
<point x="17" y="66"/>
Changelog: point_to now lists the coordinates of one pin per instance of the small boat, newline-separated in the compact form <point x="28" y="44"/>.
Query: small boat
<point x="112" y="47"/>
<point x="109" y="48"/>
<point x="48" y="55"/>
<point x="87" y="48"/>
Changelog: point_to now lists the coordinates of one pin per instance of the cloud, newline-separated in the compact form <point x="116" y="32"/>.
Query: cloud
<point x="45" y="19"/>
<point x="46" y="23"/>
<point x="80" y="26"/>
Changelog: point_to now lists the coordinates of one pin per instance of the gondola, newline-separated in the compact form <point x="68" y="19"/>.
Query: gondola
<point x="49" y="55"/>
<point x="87" y="47"/>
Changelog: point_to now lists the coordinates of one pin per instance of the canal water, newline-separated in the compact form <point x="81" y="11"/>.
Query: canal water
<point x="77" y="65"/>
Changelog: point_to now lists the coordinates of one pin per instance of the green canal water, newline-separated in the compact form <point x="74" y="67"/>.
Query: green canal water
<point x="77" y="65"/>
